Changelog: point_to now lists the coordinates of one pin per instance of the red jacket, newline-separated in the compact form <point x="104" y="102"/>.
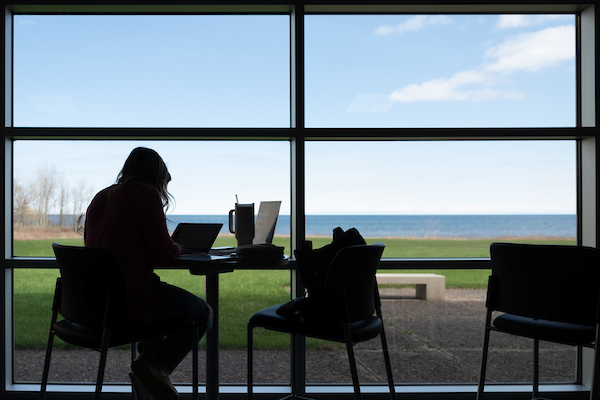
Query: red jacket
<point x="130" y="222"/>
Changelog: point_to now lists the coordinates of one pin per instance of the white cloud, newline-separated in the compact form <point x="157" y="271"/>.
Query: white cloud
<point x="520" y="20"/>
<point x="534" y="51"/>
<point x="384" y="30"/>
<point x="453" y="89"/>
<point x="529" y="52"/>
<point x="414" y="24"/>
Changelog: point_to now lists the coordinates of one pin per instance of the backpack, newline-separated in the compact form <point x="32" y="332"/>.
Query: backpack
<point x="312" y="267"/>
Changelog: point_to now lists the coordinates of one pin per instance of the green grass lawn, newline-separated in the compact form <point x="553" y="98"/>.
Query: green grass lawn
<point x="241" y="292"/>
<point x="394" y="248"/>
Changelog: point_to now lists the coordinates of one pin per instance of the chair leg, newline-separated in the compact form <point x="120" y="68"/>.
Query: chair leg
<point x="195" y="363"/>
<point x="133" y="356"/>
<point x="350" y="350"/>
<point x="55" y="307"/>
<point x="536" y="371"/>
<point x="594" y="392"/>
<point x="250" y="375"/>
<point x="388" y="364"/>
<point x="47" y="365"/>
<point x="384" y="347"/>
<point x="103" y="353"/>
<point x="484" y="356"/>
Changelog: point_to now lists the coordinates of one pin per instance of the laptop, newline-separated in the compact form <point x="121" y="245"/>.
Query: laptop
<point x="196" y="238"/>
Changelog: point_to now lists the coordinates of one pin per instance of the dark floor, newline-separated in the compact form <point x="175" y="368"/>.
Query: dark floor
<point x="430" y="342"/>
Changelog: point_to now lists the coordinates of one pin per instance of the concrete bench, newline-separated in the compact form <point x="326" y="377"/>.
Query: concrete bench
<point x="429" y="286"/>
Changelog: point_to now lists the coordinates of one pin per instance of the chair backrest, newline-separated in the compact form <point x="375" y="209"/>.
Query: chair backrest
<point x="553" y="282"/>
<point x="350" y="282"/>
<point x="92" y="285"/>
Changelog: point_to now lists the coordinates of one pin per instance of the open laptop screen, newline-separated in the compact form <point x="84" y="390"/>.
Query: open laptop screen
<point x="196" y="237"/>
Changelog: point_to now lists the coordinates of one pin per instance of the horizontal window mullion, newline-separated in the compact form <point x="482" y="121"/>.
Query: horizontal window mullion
<point x="319" y="7"/>
<point x="386" y="263"/>
<point x="31" y="262"/>
<point x="307" y="133"/>
<point x="147" y="133"/>
<point x="447" y="133"/>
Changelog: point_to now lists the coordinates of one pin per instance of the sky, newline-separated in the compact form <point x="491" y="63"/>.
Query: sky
<point x="391" y="71"/>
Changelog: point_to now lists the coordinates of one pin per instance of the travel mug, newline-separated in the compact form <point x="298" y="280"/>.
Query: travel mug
<point x="242" y="225"/>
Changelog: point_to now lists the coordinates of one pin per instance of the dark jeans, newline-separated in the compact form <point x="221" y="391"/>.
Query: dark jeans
<point x="173" y="302"/>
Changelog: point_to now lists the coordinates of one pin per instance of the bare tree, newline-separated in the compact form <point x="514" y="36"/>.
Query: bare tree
<point x="63" y="202"/>
<point x="44" y="187"/>
<point x="82" y="195"/>
<point x="49" y="191"/>
<point x="22" y="200"/>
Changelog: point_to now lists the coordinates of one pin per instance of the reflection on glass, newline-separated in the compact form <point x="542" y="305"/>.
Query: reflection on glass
<point x="206" y="177"/>
<point x="440" y="341"/>
<point x="406" y="71"/>
<point x="151" y="71"/>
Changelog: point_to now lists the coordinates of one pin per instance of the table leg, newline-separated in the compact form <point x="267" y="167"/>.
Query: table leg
<point x="212" y="339"/>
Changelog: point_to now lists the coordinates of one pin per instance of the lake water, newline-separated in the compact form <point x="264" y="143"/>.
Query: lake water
<point x="419" y="226"/>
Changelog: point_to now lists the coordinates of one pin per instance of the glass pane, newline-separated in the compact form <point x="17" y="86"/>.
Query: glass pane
<point x="442" y="199"/>
<point x="403" y="71"/>
<point x="34" y="291"/>
<point x="242" y="293"/>
<point x="207" y="176"/>
<point x="441" y="341"/>
<point x="151" y="71"/>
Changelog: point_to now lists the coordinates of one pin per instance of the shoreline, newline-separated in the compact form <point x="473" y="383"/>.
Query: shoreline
<point x="31" y="233"/>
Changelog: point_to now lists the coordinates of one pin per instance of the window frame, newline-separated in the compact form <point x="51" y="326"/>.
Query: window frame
<point x="584" y="133"/>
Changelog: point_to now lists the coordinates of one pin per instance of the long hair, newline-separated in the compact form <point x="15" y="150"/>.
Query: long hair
<point x="144" y="165"/>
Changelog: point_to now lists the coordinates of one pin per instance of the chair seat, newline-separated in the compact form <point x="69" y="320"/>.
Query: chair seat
<point x="85" y="336"/>
<point x="270" y="319"/>
<point x="562" y="332"/>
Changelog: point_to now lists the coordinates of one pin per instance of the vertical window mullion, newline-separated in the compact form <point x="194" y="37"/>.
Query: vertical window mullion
<point x="6" y="332"/>
<point x="589" y="148"/>
<point x="297" y="158"/>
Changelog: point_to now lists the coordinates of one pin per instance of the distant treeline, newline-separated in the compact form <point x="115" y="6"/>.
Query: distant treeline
<point x="48" y="199"/>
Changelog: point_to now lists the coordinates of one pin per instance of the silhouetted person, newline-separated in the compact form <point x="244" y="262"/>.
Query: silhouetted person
<point x="128" y="218"/>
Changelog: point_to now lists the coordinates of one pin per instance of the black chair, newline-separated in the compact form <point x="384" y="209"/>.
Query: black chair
<point x="352" y="288"/>
<point x="545" y="292"/>
<point x="90" y="295"/>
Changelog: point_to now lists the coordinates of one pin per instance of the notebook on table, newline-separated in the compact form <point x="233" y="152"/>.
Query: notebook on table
<point x="266" y="220"/>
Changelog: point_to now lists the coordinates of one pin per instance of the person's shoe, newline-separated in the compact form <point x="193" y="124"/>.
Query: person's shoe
<point x="153" y="377"/>
<point x="139" y="389"/>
